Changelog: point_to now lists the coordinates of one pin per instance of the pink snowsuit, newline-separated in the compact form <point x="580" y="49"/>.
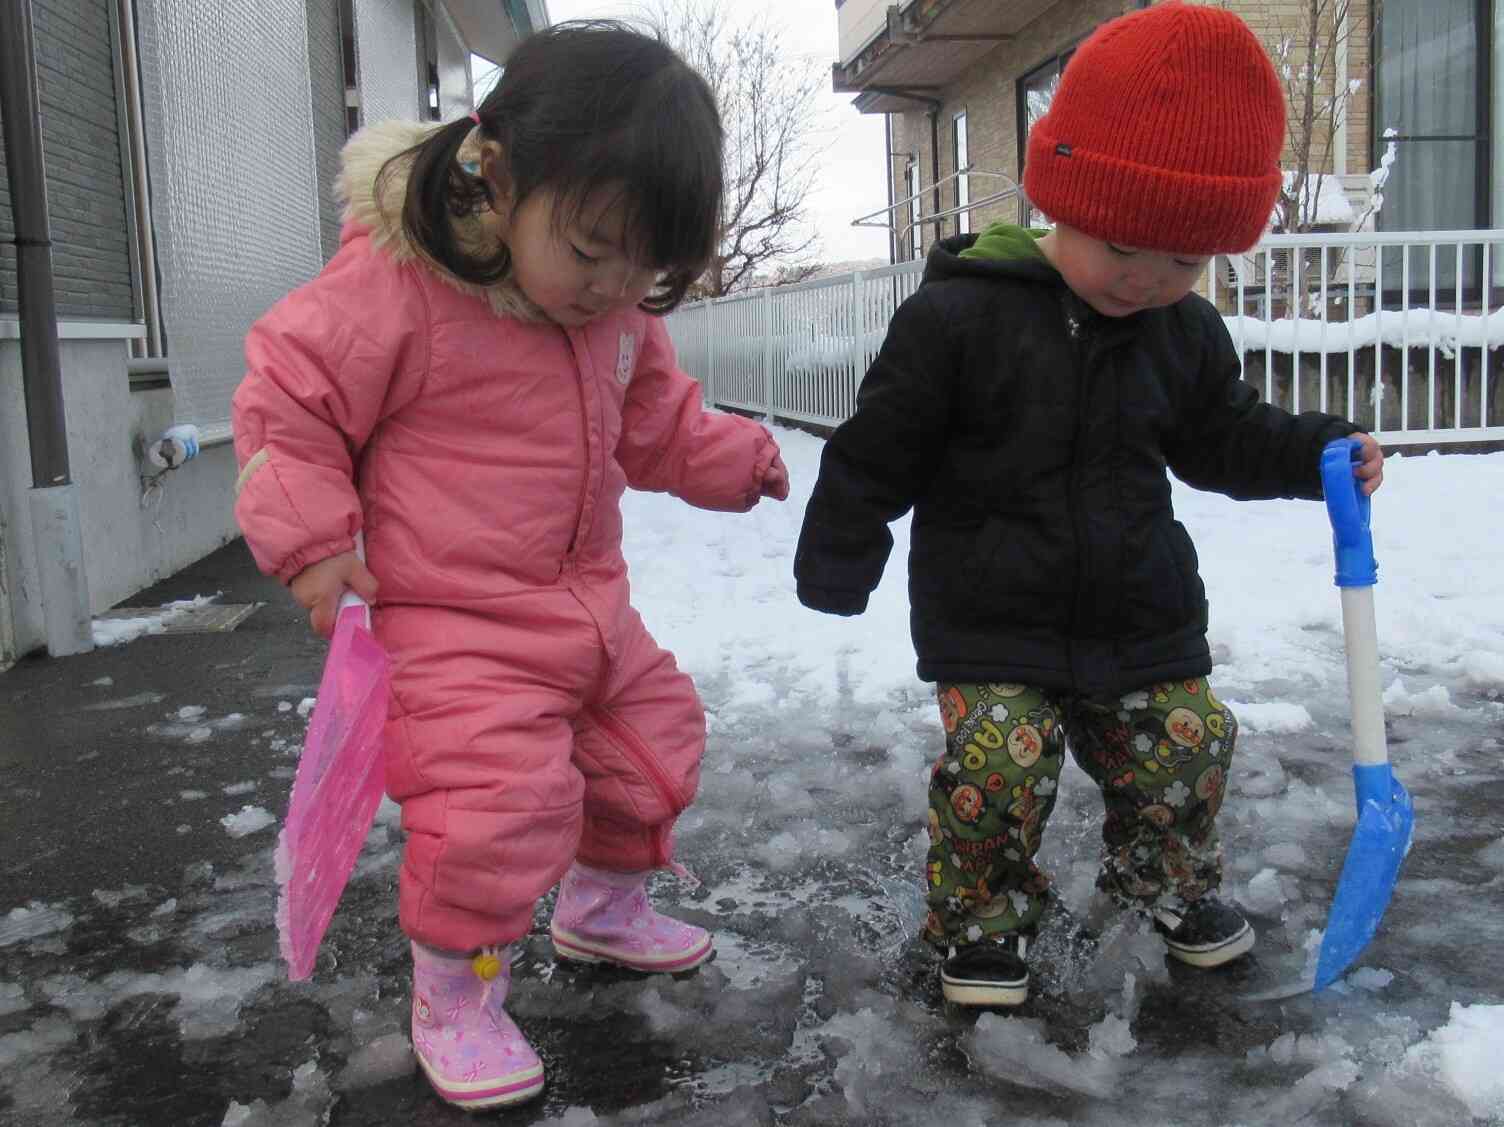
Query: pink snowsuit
<point x="533" y="719"/>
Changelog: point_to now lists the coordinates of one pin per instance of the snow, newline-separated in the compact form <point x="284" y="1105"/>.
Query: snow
<point x="808" y="837"/>
<point x="1332" y="205"/>
<point x="248" y="820"/>
<point x="1272" y="717"/>
<point x="1462" y="1055"/>
<point x="1446" y="330"/>
<point x="116" y="632"/>
<point x="388" y="1056"/>
<point x="32" y="921"/>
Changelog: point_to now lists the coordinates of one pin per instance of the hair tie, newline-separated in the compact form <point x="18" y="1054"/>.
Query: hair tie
<point x="475" y="117"/>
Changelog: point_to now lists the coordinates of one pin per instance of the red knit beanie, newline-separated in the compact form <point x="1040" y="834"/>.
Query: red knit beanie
<point x="1165" y="134"/>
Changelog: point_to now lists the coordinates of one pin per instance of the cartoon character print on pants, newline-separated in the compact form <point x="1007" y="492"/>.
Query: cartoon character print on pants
<point x="1159" y="755"/>
<point x="1161" y="761"/>
<point x="990" y="796"/>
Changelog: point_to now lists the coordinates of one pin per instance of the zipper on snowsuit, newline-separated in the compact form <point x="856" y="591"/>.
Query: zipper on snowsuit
<point x="635" y="749"/>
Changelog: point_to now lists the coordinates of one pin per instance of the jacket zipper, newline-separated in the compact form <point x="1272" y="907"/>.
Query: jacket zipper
<point x="646" y="762"/>
<point x="1082" y="349"/>
<point x="579" y="387"/>
<point x="640" y="754"/>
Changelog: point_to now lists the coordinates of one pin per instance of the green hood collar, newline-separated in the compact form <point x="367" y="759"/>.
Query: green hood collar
<point x="1006" y="242"/>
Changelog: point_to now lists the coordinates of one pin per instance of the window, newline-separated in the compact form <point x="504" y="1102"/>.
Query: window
<point x="350" y="65"/>
<point x="1431" y="89"/>
<point x="963" y="182"/>
<point x="916" y="233"/>
<point x="427" y="36"/>
<point x="1036" y="90"/>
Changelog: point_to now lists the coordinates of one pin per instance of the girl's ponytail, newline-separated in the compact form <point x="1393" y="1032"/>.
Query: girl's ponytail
<point x="438" y="188"/>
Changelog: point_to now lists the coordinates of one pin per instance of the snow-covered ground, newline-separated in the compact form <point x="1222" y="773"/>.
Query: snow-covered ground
<point x="821" y="1008"/>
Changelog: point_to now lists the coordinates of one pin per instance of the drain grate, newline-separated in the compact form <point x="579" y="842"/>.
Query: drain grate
<point x="209" y="618"/>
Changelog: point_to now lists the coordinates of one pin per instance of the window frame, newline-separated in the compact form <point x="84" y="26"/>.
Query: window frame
<point x="915" y="191"/>
<point x="1472" y="284"/>
<point x="960" y="151"/>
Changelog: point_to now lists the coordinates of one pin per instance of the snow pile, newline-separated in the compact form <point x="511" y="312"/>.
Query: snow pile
<point x="118" y="631"/>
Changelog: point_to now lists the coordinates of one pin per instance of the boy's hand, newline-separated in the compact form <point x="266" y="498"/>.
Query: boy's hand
<point x="319" y="587"/>
<point x="1370" y="469"/>
<point x="775" y="483"/>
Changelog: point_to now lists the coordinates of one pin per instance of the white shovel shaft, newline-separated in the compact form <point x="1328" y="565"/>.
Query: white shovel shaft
<point x="1362" y="640"/>
<point x="350" y="598"/>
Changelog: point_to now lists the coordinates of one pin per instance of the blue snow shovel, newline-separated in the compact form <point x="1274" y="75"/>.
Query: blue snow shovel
<point x="1386" y="819"/>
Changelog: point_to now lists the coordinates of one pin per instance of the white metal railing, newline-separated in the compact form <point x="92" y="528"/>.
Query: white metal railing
<point x="1373" y="326"/>
<point x="888" y="218"/>
<point x="1392" y="329"/>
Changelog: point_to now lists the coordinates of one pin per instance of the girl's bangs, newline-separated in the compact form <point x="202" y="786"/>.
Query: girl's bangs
<point x="669" y="209"/>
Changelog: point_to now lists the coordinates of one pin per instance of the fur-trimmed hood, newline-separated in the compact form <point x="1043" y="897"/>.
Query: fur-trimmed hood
<point x="380" y="214"/>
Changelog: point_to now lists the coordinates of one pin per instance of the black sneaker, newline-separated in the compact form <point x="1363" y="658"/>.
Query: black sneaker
<point x="1205" y="933"/>
<point x="989" y="973"/>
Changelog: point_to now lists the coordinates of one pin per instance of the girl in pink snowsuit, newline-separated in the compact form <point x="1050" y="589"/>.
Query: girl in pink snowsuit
<point x="471" y="383"/>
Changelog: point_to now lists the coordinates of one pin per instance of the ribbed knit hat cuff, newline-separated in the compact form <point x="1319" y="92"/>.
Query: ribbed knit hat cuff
<point x="1145" y="207"/>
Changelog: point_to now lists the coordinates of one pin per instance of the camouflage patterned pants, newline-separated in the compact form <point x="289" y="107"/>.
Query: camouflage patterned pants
<point x="1159" y="755"/>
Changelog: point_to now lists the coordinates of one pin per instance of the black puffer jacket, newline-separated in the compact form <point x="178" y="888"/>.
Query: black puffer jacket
<point x="1031" y="436"/>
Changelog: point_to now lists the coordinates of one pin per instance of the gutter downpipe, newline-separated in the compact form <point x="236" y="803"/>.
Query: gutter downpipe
<point x="139" y="177"/>
<point x="54" y="495"/>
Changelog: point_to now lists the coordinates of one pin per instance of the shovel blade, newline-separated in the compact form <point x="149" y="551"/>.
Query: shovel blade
<point x="1386" y="822"/>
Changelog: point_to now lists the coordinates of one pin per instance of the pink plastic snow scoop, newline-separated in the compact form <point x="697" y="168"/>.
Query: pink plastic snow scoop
<point x="337" y="788"/>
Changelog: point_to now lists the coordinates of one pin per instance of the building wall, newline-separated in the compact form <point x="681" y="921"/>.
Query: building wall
<point x="386" y="53"/>
<point x="226" y="95"/>
<point x="1274" y="21"/>
<point x="987" y="92"/>
<point x="85" y="189"/>
<point x="127" y="544"/>
<point x="244" y="115"/>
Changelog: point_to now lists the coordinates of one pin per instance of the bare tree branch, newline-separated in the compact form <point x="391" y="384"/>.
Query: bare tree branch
<point x="769" y="108"/>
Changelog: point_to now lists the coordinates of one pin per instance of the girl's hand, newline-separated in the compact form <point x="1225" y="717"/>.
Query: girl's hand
<point x="775" y="483"/>
<point x="319" y="587"/>
<point x="1370" y="469"/>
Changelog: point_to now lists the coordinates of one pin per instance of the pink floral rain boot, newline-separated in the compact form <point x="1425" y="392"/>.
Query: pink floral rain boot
<point x="605" y="917"/>
<point x="472" y="1052"/>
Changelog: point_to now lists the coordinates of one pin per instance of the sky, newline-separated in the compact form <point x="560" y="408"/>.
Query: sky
<point x="851" y="152"/>
<point x="808" y="838"/>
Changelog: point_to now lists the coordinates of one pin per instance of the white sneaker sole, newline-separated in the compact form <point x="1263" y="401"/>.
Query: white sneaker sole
<point x="1214" y="956"/>
<point x="977" y="992"/>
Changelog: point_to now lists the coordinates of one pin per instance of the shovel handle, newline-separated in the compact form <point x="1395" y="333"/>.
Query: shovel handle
<point x="1348" y="508"/>
<point x="350" y="598"/>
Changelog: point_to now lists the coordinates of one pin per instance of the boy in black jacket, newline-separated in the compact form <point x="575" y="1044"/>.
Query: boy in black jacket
<point x="1026" y="404"/>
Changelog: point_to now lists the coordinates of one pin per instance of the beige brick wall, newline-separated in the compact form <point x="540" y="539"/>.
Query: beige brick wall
<point x="1276" y="20"/>
<point x="986" y="92"/>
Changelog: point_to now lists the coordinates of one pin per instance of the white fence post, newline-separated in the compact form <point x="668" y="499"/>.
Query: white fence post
<point x="767" y="352"/>
<point x="858" y="325"/>
<point x="710" y="380"/>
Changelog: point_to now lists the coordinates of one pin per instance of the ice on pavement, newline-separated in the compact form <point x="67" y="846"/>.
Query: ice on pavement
<point x="808" y="836"/>
<point x="247" y="820"/>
